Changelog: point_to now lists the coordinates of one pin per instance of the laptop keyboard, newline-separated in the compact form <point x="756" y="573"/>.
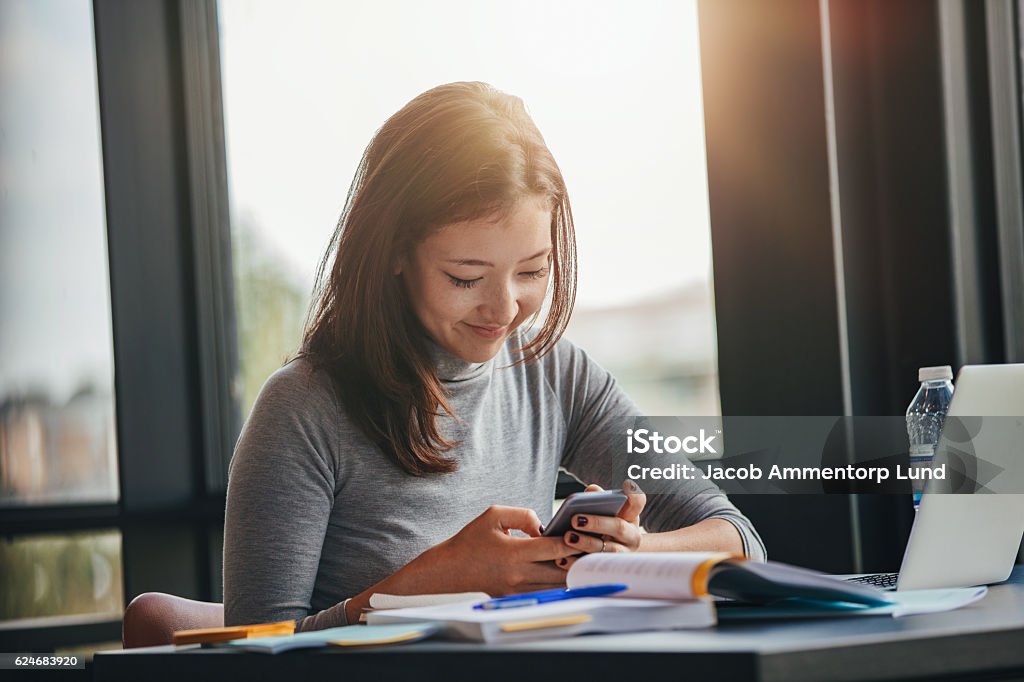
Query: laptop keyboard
<point x="885" y="581"/>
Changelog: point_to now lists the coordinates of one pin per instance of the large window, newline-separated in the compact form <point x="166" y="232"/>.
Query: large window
<point x="57" y="441"/>
<point x="615" y="90"/>
<point x="57" y="437"/>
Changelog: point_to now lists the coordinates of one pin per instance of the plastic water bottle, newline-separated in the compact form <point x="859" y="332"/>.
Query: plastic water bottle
<point x="925" y="416"/>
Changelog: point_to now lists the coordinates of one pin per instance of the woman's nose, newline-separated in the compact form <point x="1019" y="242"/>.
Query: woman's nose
<point x="502" y="305"/>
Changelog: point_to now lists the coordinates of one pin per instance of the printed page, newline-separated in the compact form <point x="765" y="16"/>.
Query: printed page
<point x="650" y="575"/>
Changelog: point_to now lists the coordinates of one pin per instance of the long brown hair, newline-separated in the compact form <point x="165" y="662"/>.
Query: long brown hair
<point x="457" y="152"/>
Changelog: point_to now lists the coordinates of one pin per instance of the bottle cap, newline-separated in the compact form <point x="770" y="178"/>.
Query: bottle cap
<point x="935" y="373"/>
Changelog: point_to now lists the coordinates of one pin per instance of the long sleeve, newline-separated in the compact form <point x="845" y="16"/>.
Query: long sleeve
<point x="281" y="490"/>
<point x="597" y="411"/>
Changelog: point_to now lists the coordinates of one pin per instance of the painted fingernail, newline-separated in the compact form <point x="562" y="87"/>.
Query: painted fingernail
<point x="573" y="538"/>
<point x="542" y="530"/>
<point x="563" y="561"/>
<point x="581" y="521"/>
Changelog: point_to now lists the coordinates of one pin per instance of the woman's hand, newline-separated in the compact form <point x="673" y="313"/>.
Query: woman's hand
<point x="485" y="556"/>
<point x="620" y="533"/>
<point x="482" y="557"/>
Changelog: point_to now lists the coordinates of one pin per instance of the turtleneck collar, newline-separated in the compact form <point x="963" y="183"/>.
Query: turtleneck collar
<point x="451" y="368"/>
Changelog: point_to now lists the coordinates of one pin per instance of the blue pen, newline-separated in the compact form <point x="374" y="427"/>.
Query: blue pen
<point x="544" y="596"/>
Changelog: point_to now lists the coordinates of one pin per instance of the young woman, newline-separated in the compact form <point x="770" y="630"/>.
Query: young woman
<point x="414" y="443"/>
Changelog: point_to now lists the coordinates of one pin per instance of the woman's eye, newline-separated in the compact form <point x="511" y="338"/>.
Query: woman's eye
<point x="536" y="274"/>
<point x="463" y="283"/>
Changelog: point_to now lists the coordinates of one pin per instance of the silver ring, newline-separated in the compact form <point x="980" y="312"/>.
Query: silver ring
<point x="602" y="544"/>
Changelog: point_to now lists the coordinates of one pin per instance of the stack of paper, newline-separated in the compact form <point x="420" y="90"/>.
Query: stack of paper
<point x="379" y="600"/>
<point x="555" y="619"/>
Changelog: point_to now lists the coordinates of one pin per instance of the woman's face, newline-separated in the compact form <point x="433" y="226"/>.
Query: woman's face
<point x="473" y="283"/>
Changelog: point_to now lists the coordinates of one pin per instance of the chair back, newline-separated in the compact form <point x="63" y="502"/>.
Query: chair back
<point x="153" y="617"/>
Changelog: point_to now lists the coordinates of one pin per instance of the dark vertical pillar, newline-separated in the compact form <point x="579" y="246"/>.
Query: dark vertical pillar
<point x="895" y="223"/>
<point x="771" y="225"/>
<point x="152" y="292"/>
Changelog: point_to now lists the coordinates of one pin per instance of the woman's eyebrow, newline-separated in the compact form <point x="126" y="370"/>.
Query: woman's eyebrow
<point x="473" y="261"/>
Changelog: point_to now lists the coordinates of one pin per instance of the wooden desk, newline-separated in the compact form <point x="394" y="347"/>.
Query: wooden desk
<point x="984" y="638"/>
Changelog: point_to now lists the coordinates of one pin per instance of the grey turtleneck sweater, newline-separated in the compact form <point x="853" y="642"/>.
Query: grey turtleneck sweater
<point x="316" y="513"/>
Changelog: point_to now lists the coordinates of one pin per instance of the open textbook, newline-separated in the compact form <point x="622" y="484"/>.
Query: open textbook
<point x="746" y="590"/>
<point x="689" y="575"/>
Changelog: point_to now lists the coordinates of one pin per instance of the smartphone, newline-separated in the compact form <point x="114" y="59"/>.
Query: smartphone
<point x="599" y="503"/>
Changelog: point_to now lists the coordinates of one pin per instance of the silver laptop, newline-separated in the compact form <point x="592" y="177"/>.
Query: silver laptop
<point x="959" y="540"/>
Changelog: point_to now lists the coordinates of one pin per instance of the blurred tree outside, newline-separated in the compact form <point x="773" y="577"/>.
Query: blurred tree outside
<point x="270" y="305"/>
<point x="61" y="575"/>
